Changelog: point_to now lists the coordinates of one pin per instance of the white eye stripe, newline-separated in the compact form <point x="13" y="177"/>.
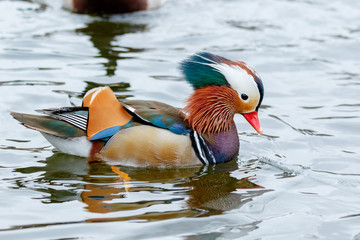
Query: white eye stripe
<point x="239" y="79"/>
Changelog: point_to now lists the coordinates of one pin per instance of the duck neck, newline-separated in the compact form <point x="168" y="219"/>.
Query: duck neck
<point x="210" y="110"/>
<point x="224" y="145"/>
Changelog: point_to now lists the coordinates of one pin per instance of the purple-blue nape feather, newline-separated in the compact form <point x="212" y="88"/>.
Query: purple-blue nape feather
<point x="199" y="70"/>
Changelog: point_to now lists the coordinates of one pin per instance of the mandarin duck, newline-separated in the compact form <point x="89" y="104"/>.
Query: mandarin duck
<point x="110" y="6"/>
<point x="151" y="133"/>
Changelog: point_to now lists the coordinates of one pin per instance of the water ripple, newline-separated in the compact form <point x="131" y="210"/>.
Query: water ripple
<point x="302" y="131"/>
<point x="30" y="83"/>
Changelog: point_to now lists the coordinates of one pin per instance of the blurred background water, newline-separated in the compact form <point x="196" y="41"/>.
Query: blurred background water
<point x="300" y="180"/>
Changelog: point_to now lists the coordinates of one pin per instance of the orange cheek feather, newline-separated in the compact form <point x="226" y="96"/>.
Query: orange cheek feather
<point x="211" y="109"/>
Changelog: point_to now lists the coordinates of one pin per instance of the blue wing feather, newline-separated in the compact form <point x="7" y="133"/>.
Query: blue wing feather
<point x="159" y="114"/>
<point x="147" y="112"/>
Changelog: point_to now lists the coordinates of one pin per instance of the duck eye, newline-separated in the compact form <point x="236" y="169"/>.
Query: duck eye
<point x="244" y="96"/>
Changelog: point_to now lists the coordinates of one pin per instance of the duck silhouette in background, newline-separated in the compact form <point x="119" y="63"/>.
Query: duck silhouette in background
<point x="103" y="34"/>
<point x="110" y="6"/>
<point x="150" y="133"/>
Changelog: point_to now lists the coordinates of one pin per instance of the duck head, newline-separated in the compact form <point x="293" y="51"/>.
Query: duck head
<point x="222" y="89"/>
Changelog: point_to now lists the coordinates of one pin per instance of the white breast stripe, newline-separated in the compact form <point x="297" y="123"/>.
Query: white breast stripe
<point x="198" y="145"/>
<point x="212" y="158"/>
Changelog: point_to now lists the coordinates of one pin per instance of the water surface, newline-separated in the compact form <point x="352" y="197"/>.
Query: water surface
<point x="300" y="180"/>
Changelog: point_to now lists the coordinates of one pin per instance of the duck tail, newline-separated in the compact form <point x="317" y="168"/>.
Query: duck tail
<point x="46" y="124"/>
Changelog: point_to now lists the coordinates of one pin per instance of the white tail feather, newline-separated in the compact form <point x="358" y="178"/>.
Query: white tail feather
<point x="78" y="146"/>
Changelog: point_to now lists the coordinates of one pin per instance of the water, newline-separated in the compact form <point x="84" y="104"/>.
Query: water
<point x="300" y="180"/>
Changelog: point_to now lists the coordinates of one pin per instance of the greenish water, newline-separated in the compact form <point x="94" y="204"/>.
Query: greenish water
<point x="300" y="180"/>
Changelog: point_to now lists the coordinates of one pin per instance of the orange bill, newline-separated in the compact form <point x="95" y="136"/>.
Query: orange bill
<point x="252" y="118"/>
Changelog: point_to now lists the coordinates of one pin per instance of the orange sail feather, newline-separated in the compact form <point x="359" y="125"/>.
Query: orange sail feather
<point x="105" y="111"/>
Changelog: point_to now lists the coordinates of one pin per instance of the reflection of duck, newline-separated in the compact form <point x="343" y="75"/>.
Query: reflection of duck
<point x="50" y="174"/>
<point x="215" y="191"/>
<point x="102" y="35"/>
<point x="156" y="134"/>
<point x="98" y="195"/>
<point x="110" y="6"/>
<point x="106" y="189"/>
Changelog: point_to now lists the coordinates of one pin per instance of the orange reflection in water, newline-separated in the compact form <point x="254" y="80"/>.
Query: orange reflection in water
<point x="203" y="191"/>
